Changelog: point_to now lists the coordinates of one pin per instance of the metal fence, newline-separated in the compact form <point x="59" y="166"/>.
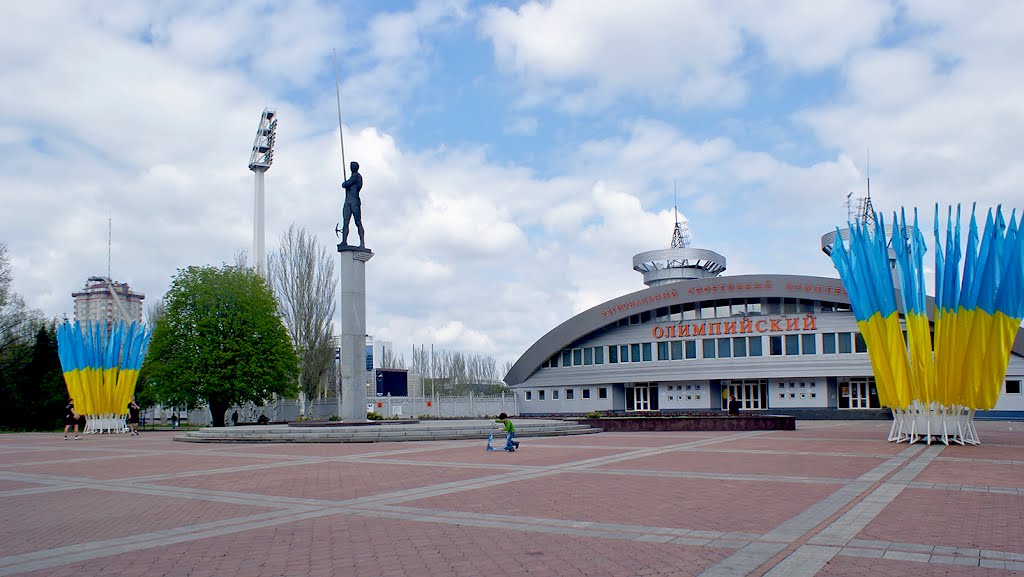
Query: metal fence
<point x="439" y="407"/>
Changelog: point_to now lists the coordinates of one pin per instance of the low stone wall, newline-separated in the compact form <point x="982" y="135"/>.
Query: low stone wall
<point x="702" y="423"/>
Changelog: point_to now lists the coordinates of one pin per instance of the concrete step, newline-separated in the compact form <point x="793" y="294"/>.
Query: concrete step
<point x="382" y="432"/>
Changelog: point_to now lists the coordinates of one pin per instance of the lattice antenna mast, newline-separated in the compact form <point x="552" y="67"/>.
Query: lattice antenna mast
<point x="681" y="233"/>
<point x="867" y="211"/>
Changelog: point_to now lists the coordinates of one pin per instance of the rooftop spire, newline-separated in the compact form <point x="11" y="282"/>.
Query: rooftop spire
<point x="681" y="234"/>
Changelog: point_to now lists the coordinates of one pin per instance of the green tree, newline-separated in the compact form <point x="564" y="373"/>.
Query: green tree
<point x="220" y="342"/>
<point x="302" y="275"/>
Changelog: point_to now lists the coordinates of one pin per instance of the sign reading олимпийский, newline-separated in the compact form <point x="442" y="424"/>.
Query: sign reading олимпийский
<point x="736" y="327"/>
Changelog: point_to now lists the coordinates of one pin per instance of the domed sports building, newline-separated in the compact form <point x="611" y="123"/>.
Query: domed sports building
<point x="786" y="344"/>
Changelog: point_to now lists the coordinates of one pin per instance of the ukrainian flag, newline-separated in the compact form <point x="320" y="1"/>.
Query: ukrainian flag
<point x="990" y="309"/>
<point x="977" y="313"/>
<point x="864" y="270"/>
<point x="947" y="298"/>
<point x="909" y="247"/>
<point x="101" y="369"/>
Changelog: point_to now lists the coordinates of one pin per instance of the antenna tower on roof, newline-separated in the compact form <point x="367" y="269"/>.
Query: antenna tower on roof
<point x="867" y="211"/>
<point x="681" y="233"/>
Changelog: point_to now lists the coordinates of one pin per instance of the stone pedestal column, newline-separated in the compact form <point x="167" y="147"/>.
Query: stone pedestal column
<point x="353" y="332"/>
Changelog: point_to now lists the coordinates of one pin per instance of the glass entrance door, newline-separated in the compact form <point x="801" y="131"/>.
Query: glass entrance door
<point x="750" y="393"/>
<point x="858" y="393"/>
<point x="642" y="397"/>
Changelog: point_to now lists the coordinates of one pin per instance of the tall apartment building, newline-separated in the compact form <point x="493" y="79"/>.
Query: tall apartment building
<point x="107" y="301"/>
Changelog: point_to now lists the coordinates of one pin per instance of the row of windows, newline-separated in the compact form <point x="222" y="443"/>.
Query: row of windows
<point x="725" y="308"/>
<point x="1013" y="387"/>
<point x="570" y="394"/>
<point x="720" y="348"/>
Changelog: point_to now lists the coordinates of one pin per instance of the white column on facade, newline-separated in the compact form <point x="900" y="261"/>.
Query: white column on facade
<point x="353" y="333"/>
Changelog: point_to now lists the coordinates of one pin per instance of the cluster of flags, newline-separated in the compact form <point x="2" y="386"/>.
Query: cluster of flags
<point x="101" y="368"/>
<point x="978" y="307"/>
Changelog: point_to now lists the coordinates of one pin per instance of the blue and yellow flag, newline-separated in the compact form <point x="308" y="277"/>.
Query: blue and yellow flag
<point x="101" y="368"/>
<point x="977" y="309"/>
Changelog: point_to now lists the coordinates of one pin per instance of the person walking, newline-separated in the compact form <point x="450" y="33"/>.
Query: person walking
<point x="133" y="416"/>
<point x="70" y="419"/>
<point x="234" y="419"/>
<point x="510" y="433"/>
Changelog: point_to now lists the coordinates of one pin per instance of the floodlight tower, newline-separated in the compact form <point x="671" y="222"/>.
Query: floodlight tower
<point x="259" y="163"/>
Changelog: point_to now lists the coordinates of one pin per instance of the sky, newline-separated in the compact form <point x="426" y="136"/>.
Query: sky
<point x="515" y="155"/>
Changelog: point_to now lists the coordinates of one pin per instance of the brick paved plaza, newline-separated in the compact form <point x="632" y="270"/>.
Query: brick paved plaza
<point x="829" y="499"/>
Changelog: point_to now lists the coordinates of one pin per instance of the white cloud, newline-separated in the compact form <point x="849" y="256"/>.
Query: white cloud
<point x="810" y="36"/>
<point x="584" y="53"/>
<point x="941" y="116"/>
<point x="150" y="123"/>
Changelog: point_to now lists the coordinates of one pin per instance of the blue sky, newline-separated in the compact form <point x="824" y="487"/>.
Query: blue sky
<point x="516" y="155"/>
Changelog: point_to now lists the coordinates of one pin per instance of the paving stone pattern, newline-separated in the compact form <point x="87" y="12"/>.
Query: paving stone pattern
<point x="829" y="499"/>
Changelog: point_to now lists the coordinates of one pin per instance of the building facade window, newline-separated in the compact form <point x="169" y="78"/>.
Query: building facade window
<point x="646" y="347"/>
<point x="529" y="395"/>
<point x="586" y="393"/>
<point x="663" y="354"/>
<point x="754" y="344"/>
<point x="807" y="344"/>
<point x="602" y="392"/>
<point x="709" y="348"/>
<point x="691" y="349"/>
<point x="739" y="346"/>
<point x="1013" y="387"/>
<point x="845" y="343"/>
<point x="828" y="343"/>
<point x="775" y="345"/>
<point x="613" y="354"/>
<point x="792" y="344"/>
<point x="677" y="350"/>
<point x="725" y="348"/>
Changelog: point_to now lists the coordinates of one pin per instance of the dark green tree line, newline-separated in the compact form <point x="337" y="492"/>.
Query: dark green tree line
<point x="32" y="390"/>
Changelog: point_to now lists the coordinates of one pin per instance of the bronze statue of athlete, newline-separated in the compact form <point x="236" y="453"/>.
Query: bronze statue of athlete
<point x="352" y="208"/>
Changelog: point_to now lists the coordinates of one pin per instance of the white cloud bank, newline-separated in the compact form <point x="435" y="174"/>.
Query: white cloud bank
<point x="146" y="117"/>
